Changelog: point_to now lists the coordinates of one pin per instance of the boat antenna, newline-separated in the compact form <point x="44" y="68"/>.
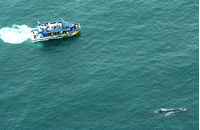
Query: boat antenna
<point x="37" y="20"/>
<point x="61" y="18"/>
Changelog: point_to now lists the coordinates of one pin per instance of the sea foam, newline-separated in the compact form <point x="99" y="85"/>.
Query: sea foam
<point x="15" y="35"/>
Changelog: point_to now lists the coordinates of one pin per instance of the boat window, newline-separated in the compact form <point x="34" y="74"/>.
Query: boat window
<point x="66" y="27"/>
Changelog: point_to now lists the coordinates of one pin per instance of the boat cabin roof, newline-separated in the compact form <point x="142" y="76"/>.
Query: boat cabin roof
<point x="44" y="28"/>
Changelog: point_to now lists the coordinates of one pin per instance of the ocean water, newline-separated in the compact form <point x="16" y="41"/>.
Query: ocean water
<point x="131" y="59"/>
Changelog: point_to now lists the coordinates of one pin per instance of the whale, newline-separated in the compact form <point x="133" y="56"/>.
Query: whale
<point x="172" y="111"/>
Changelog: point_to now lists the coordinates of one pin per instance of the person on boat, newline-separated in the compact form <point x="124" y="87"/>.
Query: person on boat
<point x="47" y="27"/>
<point x="75" y="26"/>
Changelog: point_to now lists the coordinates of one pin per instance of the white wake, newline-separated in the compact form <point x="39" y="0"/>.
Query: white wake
<point x="15" y="35"/>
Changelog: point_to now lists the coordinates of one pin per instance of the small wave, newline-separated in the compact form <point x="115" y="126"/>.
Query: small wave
<point x="15" y="35"/>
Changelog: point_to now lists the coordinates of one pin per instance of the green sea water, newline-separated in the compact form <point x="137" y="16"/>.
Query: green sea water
<point x="131" y="59"/>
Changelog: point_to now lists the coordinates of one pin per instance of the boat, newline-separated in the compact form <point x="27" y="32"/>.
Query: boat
<point x="54" y="30"/>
